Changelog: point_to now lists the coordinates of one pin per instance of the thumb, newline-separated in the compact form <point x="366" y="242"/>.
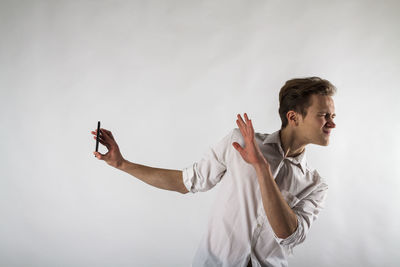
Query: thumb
<point x="237" y="147"/>
<point x="98" y="155"/>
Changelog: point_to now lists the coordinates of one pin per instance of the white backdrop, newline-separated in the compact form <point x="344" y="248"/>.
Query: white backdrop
<point x="168" y="78"/>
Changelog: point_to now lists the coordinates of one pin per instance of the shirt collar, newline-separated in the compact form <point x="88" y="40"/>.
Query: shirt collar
<point x="300" y="160"/>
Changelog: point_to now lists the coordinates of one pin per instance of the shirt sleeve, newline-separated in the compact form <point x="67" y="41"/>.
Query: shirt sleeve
<point x="204" y="174"/>
<point x="306" y="211"/>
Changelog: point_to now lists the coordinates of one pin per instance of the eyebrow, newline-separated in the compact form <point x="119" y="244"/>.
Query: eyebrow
<point x="334" y="114"/>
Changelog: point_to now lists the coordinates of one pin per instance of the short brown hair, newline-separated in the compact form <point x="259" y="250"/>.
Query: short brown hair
<point x="296" y="95"/>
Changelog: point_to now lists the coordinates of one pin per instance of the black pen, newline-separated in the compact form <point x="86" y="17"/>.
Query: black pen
<point x="97" y="137"/>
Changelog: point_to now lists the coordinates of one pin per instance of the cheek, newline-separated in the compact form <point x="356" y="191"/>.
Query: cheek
<point x="321" y="122"/>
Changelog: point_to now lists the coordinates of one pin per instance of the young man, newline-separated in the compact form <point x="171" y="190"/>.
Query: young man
<point x="269" y="196"/>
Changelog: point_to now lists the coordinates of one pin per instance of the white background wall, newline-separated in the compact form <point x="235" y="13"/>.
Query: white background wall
<point x="168" y="78"/>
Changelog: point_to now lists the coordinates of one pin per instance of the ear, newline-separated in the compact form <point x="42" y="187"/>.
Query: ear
<point x="293" y="118"/>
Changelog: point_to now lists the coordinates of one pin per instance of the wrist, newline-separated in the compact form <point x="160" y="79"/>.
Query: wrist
<point x="261" y="165"/>
<point x="122" y="164"/>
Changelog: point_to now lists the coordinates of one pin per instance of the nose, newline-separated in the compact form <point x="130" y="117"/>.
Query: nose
<point x="330" y="123"/>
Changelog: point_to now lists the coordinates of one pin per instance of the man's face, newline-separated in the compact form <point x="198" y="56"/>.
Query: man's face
<point x="315" y="128"/>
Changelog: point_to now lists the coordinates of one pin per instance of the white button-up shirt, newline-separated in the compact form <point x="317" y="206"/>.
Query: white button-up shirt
<point x="238" y="229"/>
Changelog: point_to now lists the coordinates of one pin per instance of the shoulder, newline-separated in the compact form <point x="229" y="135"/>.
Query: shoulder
<point x="237" y="135"/>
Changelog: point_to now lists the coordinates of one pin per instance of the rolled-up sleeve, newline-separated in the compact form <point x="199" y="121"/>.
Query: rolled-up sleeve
<point x="207" y="172"/>
<point x="306" y="211"/>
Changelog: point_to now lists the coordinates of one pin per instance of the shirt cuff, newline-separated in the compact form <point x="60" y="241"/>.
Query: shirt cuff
<point x="290" y="241"/>
<point x="188" y="177"/>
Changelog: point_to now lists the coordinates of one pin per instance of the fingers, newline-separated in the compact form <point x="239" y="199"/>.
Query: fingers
<point x="245" y="116"/>
<point x="241" y="122"/>
<point x="101" y="141"/>
<point x="250" y="124"/>
<point x="251" y="127"/>
<point x="108" y="133"/>
<point x="105" y="138"/>
<point x="241" y="128"/>
<point x="242" y="125"/>
<point x="103" y="131"/>
<point x="246" y="128"/>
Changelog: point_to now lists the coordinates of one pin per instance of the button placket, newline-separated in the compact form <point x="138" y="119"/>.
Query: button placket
<point x="257" y="231"/>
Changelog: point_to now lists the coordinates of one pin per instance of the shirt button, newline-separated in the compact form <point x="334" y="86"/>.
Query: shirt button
<point x="258" y="225"/>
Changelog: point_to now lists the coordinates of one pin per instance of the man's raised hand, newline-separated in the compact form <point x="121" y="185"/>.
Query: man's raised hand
<point x="113" y="157"/>
<point x="251" y="153"/>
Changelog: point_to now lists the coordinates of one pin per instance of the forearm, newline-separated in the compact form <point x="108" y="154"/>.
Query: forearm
<point x="281" y="217"/>
<point x="160" y="178"/>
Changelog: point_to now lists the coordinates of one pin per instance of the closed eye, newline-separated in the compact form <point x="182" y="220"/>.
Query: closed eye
<point x="327" y="115"/>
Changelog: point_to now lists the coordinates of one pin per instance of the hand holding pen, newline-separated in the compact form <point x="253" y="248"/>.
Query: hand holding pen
<point x="113" y="157"/>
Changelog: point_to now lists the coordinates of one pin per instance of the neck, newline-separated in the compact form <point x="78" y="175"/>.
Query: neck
<point x="291" y="144"/>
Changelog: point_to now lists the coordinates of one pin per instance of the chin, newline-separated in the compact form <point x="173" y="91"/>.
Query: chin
<point x="323" y="142"/>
